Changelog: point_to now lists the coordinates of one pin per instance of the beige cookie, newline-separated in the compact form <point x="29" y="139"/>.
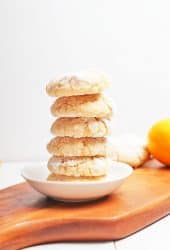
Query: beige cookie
<point x="55" y="177"/>
<point x="82" y="106"/>
<point x="68" y="146"/>
<point x="88" y="82"/>
<point x="130" y="149"/>
<point x="80" y="127"/>
<point x="79" y="166"/>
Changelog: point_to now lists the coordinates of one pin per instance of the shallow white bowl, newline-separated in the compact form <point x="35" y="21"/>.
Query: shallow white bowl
<point x="76" y="191"/>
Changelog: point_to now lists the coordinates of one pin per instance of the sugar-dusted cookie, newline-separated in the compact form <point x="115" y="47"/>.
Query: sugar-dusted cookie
<point x="86" y="146"/>
<point x="79" y="166"/>
<point x="81" y="83"/>
<point x="80" y="127"/>
<point x="82" y="106"/>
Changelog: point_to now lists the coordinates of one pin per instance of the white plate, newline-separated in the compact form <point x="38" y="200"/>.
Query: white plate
<point x="76" y="191"/>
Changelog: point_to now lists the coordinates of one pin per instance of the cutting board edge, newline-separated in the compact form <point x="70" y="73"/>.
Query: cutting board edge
<point x="72" y="227"/>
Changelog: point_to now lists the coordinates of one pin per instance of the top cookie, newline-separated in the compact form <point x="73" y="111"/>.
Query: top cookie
<point x="82" y="83"/>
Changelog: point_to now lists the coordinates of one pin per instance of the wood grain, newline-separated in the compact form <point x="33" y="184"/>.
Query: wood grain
<point x="28" y="218"/>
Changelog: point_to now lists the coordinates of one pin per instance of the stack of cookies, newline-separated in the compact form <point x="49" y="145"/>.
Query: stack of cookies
<point x="80" y="148"/>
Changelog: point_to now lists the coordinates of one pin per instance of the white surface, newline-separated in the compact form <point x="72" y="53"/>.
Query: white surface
<point x="77" y="246"/>
<point x="37" y="175"/>
<point x="154" y="237"/>
<point x="39" y="39"/>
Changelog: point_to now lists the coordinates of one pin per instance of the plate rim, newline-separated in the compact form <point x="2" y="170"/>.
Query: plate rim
<point x="124" y="165"/>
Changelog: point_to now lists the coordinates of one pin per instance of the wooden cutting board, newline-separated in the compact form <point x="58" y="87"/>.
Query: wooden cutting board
<point x="28" y="218"/>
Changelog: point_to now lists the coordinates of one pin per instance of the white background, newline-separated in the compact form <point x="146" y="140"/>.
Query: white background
<point x="129" y="40"/>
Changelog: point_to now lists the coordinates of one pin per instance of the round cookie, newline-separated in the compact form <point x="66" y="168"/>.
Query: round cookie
<point x="80" y="127"/>
<point x="87" y="146"/>
<point x="79" y="166"/>
<point x="82" y="106"/>
<point x="88" y="82"/>
<point x="55" y="177"/>
<point x="130" y="149"/>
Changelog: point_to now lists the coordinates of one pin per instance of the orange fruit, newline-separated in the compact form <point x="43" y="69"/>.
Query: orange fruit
<point x="159" y="141"/>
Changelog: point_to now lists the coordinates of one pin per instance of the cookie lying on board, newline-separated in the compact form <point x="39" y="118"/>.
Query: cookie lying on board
<point x="130" y="149"/>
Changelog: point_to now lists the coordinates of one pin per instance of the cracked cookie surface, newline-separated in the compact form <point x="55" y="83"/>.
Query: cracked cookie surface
<point x="86" y="146"/>
<point x="79" y="166"/>
<point x="80" y="127"/>
<point x="82" y="106"/>
<point x="81" y="83"/>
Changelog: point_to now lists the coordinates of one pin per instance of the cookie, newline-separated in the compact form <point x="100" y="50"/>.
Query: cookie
<point x="88" y="82"/>
<point x="80" y="127"/>
<point x="82" y="106"/>
<point x="55" y="177"/>
<point x="86" y="146"/>
<point x="79" y="166"/>
<point x="131" y="149"/>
